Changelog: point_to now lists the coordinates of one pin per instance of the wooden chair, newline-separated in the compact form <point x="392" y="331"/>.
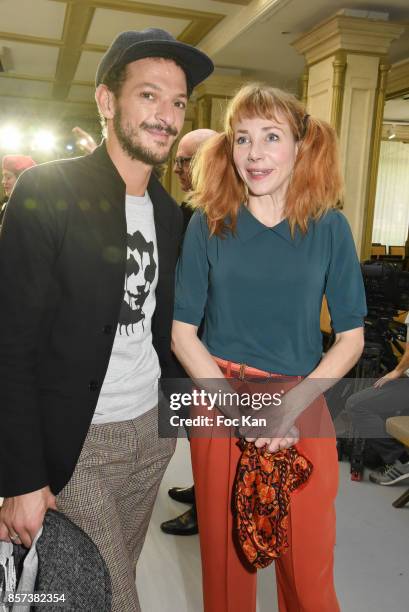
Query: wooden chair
<point x="398" y="427"/>
<point x="325" y="319"/>
<point x="378" y="249"/>
<point x="397" y="250"/>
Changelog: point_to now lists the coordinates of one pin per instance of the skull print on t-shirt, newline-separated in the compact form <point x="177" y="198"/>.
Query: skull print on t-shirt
<point x="140" y="274"/>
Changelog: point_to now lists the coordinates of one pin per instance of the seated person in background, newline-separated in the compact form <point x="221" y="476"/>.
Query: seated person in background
<point x="12" y="167"/>
<point x="369" y="409"/>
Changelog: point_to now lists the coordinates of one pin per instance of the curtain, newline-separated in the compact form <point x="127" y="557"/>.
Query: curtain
<point x="391" y="217"/>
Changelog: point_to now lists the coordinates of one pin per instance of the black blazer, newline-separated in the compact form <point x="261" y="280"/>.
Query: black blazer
<point x="62" y="271"/>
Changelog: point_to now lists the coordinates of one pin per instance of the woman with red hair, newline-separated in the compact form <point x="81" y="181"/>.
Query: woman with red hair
<point x="265" y="246"/>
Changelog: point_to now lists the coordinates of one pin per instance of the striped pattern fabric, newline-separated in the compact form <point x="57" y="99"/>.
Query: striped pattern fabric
<point x="112" y="492"/>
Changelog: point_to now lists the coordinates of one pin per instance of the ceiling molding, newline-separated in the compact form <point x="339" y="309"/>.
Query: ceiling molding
<point x="398" y="79"/>
<point x="159" y="10"/>
<point x="242" y="2"/>
<point x="84" y="83"/>
<point x="201" y="22"/>
<point x="364" y="36"/>
<point x="78" y="19"/>
<point x="94" y="47"/>
<point x="211" y="32"/>
<point x="232" y="27"/>
<point x="32" y="40"/>
<point x="26" y="77"/>
<point x="198" y="29"/>
<point x="44" y="99"/>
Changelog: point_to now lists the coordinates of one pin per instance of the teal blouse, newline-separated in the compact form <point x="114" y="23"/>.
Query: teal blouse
<point x="260" y="291"/>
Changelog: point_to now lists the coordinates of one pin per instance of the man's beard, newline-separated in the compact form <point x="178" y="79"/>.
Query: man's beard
<point x="125" y="136"/>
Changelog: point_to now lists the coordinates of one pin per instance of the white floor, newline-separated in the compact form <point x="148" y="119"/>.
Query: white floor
<point x="372" y="552"/>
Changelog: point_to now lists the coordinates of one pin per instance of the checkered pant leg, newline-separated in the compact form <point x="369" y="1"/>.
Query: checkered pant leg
<point x="112" y="492"/>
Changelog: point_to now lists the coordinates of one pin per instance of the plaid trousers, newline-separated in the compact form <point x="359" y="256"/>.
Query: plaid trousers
<point x="112" y="492"/>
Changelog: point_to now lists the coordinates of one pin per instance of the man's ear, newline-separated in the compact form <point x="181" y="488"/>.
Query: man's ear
<point x="105" y="100"/>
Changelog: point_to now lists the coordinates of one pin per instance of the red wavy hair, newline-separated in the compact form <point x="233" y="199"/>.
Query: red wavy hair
<point x="316" y="184"/>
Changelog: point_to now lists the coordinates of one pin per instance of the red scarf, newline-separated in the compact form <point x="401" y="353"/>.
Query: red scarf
<point x="262" y="490"/>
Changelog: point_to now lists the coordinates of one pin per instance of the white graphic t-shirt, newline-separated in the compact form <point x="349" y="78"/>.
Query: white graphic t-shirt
<point x="130" y="387"/>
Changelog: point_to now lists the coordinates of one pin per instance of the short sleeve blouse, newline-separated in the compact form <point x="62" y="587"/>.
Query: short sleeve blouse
<point x="260" y="290"/>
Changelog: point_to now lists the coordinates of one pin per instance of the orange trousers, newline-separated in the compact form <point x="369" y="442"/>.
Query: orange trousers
<point x="305" y="573"/>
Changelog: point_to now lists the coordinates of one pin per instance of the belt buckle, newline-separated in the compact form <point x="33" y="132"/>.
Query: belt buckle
<point x="242" y="369"/>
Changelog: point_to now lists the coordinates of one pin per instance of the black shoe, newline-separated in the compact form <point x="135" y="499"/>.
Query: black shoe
<point x="185" y="495"/>
<point x="185" y="524"/>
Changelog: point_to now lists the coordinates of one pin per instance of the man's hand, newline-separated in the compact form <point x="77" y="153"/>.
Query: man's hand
<point x="84" y="140"/>
<point x="21" y="517"/>
<point x="393" y="375"/>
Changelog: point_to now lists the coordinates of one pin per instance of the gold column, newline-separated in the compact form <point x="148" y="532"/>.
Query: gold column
<point x="304" y="86"/>
<point x="384" y="69"/>
<point x="346" y="87"/>
<point x="340" y="66"/>
<point x="212" y="97"/>
<point x="203" y="117"/>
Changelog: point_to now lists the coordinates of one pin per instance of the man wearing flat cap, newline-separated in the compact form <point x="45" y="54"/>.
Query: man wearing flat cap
<point x="87" y="256"/>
